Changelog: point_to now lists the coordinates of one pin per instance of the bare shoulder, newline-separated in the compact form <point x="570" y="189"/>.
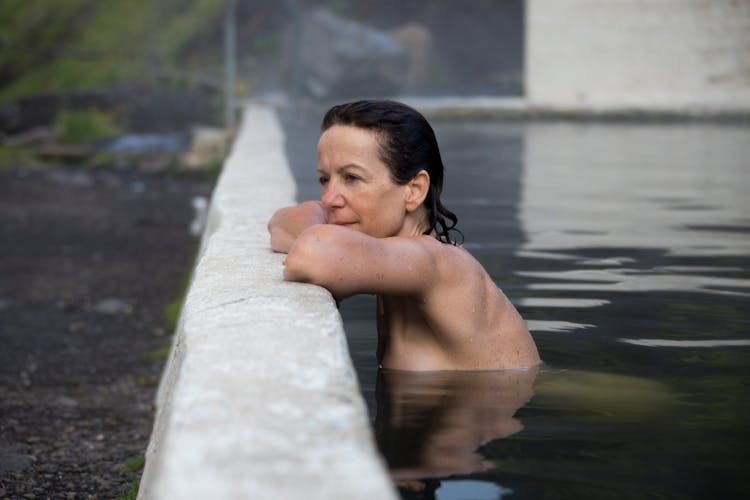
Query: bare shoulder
<point x="453" y="263"/>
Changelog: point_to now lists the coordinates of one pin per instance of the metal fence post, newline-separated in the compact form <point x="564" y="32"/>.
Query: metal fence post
<point x="230" y="64"/>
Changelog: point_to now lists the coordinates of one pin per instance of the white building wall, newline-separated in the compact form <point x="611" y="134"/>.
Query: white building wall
<point x="638" y="52"/>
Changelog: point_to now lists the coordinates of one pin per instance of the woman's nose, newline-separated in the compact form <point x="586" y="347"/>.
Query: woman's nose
<point x="331" y="197"/>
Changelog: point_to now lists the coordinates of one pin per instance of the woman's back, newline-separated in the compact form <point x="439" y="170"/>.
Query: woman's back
<point x="463" y="321"/>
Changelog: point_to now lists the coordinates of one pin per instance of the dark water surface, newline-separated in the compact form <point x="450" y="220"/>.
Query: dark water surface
<point x="626" y="247"/>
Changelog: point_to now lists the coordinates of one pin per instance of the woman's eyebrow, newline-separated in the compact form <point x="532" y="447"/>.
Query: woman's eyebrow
<point x="343" y="168"/>
<point x="350" y="165"/>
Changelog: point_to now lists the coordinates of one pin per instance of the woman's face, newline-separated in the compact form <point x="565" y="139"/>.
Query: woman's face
<point x="357" y="189"/>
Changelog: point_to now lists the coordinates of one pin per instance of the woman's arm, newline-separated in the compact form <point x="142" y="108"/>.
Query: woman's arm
<point x="288" y="223"/>
<point x="347" y="262"/>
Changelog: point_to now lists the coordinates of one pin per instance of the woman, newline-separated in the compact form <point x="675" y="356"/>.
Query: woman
<point x="380" y="228"/>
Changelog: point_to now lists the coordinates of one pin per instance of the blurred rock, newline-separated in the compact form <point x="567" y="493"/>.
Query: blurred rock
<point x="113" y="306"/>
<point x="66" y="402"/>
<point x="340" y="57"/>
<point x="207" y="145"/>
<point x="72" y="153"/>
<point x="72" y="178"/>
<point x="135" y="144"/>
<point x="418" y="42"/>
<point x="149" y="153"/>
<point x="10" y="461"/>
<point x="36" y="135"/>
<point x="200" y="208"/>
<point x="140" y="107"/>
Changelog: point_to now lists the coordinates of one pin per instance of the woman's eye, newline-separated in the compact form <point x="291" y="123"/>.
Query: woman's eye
<point x="323" y="180"/>
<point x="351" y="178"/>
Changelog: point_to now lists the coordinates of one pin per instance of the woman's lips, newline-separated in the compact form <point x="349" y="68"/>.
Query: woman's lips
<point x="342" y="223"/>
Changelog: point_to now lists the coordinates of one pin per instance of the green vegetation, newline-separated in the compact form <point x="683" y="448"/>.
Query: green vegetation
<point x="160" y="354"/>
<point x="134" y="466"/>
<point x="12" y="156"/>
<point x="81" y="44"/>
<point x="146" y="381"/>
<point x="77" y="127"/>
<point x="132" y="492"/>
<point x="213" y="170"/>
<point x="173" y="310"/>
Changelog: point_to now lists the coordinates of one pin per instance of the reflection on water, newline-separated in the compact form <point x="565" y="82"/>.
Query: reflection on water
<point x="626" y="247"/>
<point x="679" y="188"/>
<point x="430" y="425"/>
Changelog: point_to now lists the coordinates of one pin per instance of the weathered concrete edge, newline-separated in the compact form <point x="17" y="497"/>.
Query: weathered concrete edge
<point x="259" y="398"/>
<point x="522" y="108"/>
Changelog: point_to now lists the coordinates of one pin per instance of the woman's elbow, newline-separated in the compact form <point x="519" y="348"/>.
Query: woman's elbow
<point x="280" y="240"/>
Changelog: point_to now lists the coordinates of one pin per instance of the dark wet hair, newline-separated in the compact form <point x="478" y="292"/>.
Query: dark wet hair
<point x="407" y="146"/>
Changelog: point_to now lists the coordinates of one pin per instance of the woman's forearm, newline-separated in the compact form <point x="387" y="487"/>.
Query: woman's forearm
<point x="288" y="223"/>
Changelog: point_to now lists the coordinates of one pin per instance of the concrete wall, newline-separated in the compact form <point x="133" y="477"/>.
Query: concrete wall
<point x="651" y="53"/>
<point x="259" y="398"/>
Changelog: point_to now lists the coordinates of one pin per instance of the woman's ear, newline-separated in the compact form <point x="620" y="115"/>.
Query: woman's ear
<point x="416" y="190"/>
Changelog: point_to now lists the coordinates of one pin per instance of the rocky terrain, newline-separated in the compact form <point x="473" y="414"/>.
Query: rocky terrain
<point x="91" y="261"/>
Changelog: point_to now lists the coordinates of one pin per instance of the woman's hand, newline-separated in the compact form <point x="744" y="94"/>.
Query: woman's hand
<point x="288" y="223"/>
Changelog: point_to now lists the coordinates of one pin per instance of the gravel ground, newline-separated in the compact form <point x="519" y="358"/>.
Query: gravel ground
<point x="89" y="262"/>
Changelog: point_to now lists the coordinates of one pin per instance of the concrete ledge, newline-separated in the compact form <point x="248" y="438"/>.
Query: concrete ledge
<point x="522" y="108"/>
<point x="259" y="398"/>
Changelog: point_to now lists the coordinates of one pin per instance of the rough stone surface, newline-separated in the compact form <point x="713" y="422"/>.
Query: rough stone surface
<point x="342" y="57"/>
<point x="90" y="260"/>
<point x="259" y="398"/>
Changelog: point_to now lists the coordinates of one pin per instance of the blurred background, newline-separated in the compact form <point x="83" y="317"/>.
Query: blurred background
<point x="80" y="72"/>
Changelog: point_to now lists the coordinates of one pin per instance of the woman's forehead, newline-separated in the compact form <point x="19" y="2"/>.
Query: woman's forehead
<point x="350" y="137"/>
<point x="345" y="143"/>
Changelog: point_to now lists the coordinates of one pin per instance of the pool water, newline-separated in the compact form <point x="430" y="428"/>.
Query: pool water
<point x="626" y="247"/>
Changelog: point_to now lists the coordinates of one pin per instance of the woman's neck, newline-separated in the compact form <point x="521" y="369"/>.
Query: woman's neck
<point x="415" y="223"/>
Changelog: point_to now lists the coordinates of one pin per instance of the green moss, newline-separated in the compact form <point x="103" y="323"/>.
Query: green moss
<point x="135" y="464"/>
<point x="132" y="492"/>
<point x="172" y="313"/>
<point x="146" y="381"/>
<point x="160" y="354"/>
<point x="173" y="310"/>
